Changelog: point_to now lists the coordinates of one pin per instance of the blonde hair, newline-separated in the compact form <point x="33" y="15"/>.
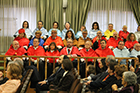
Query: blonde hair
<point x="38" y="32"/>
<point x="15" y="71"/>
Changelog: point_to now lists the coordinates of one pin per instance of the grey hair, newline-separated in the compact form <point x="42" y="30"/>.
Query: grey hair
<point x="130" y="77"/>
<point x="18" y="61"/>
<point x="135" y="45"/>
<point x="110" y="58"/>
<point x="11" y="62"/>
<point x="89" y="42"/>
<point x="54" y="30"/>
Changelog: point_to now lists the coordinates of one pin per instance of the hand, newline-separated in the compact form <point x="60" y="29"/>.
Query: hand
<point x="97" y="38"/>
<point x="32" y="60"/>
<point x="42" y="82"/>
<point x="132" y="68"/>
<point x="42" y="37"/>
<point x="74" y="55"/>
<point x="88" y="83"/>
<point x="114" y="87"/>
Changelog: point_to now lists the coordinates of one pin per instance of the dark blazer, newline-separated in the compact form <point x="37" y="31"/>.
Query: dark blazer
<point x="66" y="82"/>
<point x="99" y="83"/>
<point x="128" y="89"/>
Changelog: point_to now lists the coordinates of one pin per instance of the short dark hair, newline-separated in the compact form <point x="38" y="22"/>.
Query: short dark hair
<point x="119" y="69"/>
<point x="91" y="69"/>
<point x="94" y="24"/>
<point x="56" y="23"/>
<point x="112" y="66"/>
<point x="68" y="23"/>
<point x="38" y="39"/>
<point x="40" y="21"/>
<point x="27" y="24"/>
<point x="102" y="40"/>
<point x="120" y="41"/>
<point x="52" y="43"/>
<point x="71" y="36"/>
<point x="67" y="64"/>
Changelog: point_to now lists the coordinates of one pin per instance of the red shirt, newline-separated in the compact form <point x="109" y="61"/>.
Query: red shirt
<point x="123" y="35"/>
<point x="94" y="40"/>
<point x="113" y="42"/>
<point x="22" y="41"/>
<point x="130" y="44"/>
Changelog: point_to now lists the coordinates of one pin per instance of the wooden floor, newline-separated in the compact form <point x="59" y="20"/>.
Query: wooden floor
<point x="30" y="90"/>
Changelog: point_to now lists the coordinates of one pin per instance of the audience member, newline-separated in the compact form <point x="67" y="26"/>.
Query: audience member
<point x="66" y="28"/>
<point x="37" y="35"/>
<point x="55" y="26"/>
<point x="28" y="32"/>
<point x="121" y="51"/>
<point x="42" y="29"/>
<point x="69" y="35"/>
<point x="123" y="33"/>
<point x="137" y="34"/>
<point x="109" y="32"/>
<point x="113" y="41"/>
<point x="136" y="51"/>
<point x="82" y="39"/>
<point x="23" y="41"/>
<point x="54" y="38"/>
<point x="131" y="41"/>
<point x="79" y="33"/>
<point x="95" y="28"/>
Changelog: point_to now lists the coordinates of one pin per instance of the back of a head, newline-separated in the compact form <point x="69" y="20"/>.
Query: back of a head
<point x="119" y="69"/>
<point x="111" y="58"/>
<point x="67" y="64"/>
<point x="91" y="69"/>
<point x="112" y="65"/>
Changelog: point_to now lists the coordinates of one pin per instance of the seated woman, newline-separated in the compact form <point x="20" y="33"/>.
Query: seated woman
<point x="14" y="74"/>
<point x="79" y="33"/>
<point x="131" y="41"/>
<point x="52" y="51"/>
<point x="129" y="81"/>
<point x="70" y="35"/>
<point x="22" y="39"/>
<point x="37" y="35"/>
<point x="28" y="32"/>
<point x="67" y="78"/>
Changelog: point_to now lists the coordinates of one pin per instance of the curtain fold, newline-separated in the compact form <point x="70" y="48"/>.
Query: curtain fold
<point x="76" y="13"/>
<point x="49" y="11"/>
<point x="135" y="6"/>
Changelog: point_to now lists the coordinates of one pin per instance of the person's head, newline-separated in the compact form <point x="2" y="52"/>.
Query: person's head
<point x="103" y="43"/>
<point x="119" y="69"/>
<point x="25" y="24"/>
<point x="61" y="58"/>
<point x="90" y="69"/>
<point x="115" y="35"/>
<point x="14" y="71"/>
<point x="55" y="25"/>
<point x="88" y="44"/>
<point x="138" y="29"/>
<point x="67" y="65"/>
<point x="137" y="47"/>
<point x="38" y="34"/>
<point x="19" y="62"/>
<point x="84" y="33"/>
<point x="67" y="25"/>
<point x="121" y="45"/>
<point x="69" y="43"/>
<point x="111" y="67"/>
<point x="124" y="28"/>
<point x="99" y="34"/>
<point x="110" y="26"/>
<point x="40" y="24"/>
<point x="69" y="34"/>
<point x="15" y="44"/>
<point x="129" y="78"/>
<point x="82" y="28"/>
<point x="36" y="42"/>
<point x="54" y="33"/>
<point x="131" y="37"/>
<point x="110" y="59"/>
<point x="22" y="33"/>
<point x="52" y="46"/>
<point x="95" y="25"/>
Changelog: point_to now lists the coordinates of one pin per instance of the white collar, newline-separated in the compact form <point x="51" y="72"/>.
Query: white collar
<point x="35" y="47"/>
<point x="65" y="73"/>
<point x="51" y="51"/>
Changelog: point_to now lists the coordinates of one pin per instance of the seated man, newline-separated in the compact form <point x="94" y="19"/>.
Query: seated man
<point x="79" y="33"/>
<point x="136" y="51"/>
<point x="124" y="33"/>
<point x="83" y="39"/>
<point x="22" y="39"/>
<point x="103" y="79"/>
<point x="37" y="35"/>
<point x="121" y="51"/>
<point x="54" y="38"/>
<point x="15" y="49"/>
<point x="113" y="41"/>
<point x="42" y="29"/>
<point x="37" y="50"/>
<point x="97" y="39"/>
<point x="53" y="79"/>
<point x="137" y="34"/>
<point x="103" y="50"/>
<point x="109" y="32"/>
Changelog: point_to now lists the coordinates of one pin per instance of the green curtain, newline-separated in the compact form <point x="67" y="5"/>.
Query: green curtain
<point x="76" y="13"/>
<point x="135" y="6"/>
<point x="49" y="11"/>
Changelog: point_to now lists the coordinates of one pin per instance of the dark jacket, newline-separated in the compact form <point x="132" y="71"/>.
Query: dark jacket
<point x="66" y="82"/>
<point x="137" y="71"/>
<point x="128" y="89"/>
